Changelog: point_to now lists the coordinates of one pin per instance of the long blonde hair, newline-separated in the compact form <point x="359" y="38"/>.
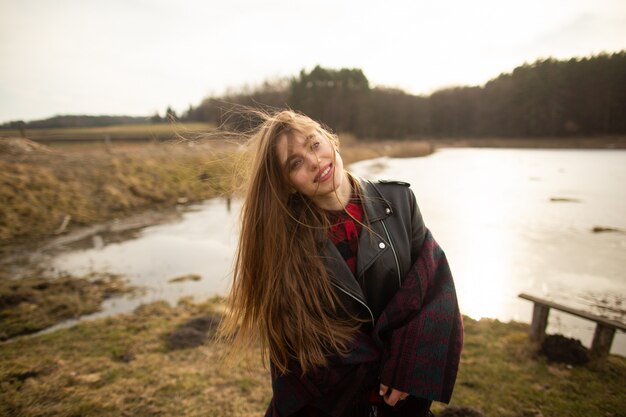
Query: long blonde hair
<point x="281" y="295"/>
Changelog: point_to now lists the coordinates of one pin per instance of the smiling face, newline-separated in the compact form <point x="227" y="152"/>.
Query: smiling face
<point x="314" y="168"/>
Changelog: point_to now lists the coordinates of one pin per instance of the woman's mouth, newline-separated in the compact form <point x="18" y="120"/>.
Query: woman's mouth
<point x="324" y="174"/>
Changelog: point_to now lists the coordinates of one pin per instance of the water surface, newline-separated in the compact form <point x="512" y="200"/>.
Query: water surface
<point x="509" y="220"/>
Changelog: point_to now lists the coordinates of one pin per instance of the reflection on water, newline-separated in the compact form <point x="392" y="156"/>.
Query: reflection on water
<point x="510" y="221"/>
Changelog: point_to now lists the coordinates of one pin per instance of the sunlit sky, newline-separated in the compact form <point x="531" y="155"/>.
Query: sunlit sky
<point x="136" y="57"/>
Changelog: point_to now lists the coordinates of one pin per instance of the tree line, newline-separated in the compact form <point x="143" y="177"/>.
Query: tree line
<point x="64" y="121"/>
<point x="547" y="98"/>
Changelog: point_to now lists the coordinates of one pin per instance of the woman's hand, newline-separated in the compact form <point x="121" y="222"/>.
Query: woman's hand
<point x="393" y="397"/>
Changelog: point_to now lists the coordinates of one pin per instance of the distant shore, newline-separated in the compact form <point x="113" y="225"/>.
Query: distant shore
<point x="600" y="142"/>
<point x="164" y="132"/>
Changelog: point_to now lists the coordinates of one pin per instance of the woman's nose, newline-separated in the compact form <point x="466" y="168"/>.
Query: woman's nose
<point x="314" y="160"/>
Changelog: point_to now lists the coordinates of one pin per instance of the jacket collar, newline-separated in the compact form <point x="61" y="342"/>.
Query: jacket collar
<point x="374" y="205"/>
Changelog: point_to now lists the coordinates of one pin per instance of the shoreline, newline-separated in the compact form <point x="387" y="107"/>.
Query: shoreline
<point x="108" y="183"/>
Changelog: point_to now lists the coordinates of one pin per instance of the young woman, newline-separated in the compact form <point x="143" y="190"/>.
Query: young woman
<point x="340" y="283"/>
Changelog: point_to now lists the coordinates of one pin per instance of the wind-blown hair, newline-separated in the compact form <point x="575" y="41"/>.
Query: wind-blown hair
<point x="281" y="296"/>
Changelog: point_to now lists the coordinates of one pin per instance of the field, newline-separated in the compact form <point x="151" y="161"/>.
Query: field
<point x="138" y="132"/>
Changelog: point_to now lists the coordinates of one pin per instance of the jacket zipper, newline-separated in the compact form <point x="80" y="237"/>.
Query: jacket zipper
<point x="394" y="253"/>
<point x="358" y="299"/>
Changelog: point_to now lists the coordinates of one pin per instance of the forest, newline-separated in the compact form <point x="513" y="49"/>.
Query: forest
<point x="548" y="98"/>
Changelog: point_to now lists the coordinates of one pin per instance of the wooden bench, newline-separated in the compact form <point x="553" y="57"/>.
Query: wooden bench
<point x="602" y="338"/>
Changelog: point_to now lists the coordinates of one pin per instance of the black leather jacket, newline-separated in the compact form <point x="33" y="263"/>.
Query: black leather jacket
<point x="385" y="255"/>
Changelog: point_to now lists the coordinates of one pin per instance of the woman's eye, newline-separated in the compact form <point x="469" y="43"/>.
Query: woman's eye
<point x="295" y="164"/>
<point x="315" y="145"/>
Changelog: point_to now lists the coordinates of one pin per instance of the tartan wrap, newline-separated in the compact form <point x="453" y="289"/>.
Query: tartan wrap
<point x="421" y="329"/>
<point x="415" y="347"/>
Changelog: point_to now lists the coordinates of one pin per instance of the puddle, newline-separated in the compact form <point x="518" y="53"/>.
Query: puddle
<point x="200" y="241"/>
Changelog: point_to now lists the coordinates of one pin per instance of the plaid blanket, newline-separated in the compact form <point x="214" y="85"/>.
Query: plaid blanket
<point x="414" y="347"/>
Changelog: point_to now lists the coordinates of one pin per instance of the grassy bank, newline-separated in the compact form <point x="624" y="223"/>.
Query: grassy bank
<point x="47" y="191"/>
<point x="35" y="302"/>
<point x="128" y="365"/>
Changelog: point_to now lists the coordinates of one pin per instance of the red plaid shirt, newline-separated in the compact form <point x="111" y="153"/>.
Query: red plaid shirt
<point x="345" y="230"/>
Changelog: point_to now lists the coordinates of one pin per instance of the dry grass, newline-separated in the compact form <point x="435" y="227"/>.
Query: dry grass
<point x="121" y="366"/>
<point x="43" y="190"/>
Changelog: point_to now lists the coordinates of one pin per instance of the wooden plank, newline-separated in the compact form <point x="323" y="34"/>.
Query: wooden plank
<point x="580" y="313"/>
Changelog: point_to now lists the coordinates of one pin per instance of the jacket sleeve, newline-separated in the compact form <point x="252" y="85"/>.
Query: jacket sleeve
<point x="421" y="329"/>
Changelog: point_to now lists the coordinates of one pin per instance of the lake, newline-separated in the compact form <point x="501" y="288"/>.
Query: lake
<point x="510" y="221"/>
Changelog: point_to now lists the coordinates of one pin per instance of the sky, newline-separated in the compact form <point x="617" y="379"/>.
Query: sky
<point x="137" y="57"/>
